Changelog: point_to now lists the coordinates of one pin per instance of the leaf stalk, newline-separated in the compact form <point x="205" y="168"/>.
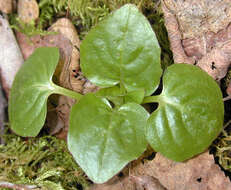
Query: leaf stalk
<point x="151" y="99"/>
<point x="66" y="92"/>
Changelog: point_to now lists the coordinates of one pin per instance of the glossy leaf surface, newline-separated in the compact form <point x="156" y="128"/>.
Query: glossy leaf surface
<point x="190" y="113"/>
<point x="103" y="140"/>
<point x="119" y="97"/>
<point x="114" y="94"/>
<point x="123" y="50"/>
<point x="134" y="96"/>
<point x="31" y="88"/>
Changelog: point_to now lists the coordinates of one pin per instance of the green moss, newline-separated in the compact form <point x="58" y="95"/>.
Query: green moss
<point x="222" y="151"/>
<point x="49" y="11"/>
<point x="29" y="29"/>
<point x="43" y="161"/>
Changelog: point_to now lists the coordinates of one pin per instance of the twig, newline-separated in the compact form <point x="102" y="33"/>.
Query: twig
<point x="17" y="187"/>
<point x="227" y="124"/>
<point x="226" y="98"/>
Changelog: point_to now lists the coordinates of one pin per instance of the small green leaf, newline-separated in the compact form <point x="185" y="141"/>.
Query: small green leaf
<point x="110" y="92"/>
<point x="123" y="50"/>
<point x="135" y="96"/>
<point x="190" y="113"/>
<point x="114" y="94"/>
<point x="103" y="140"/>
<point x="118" y="97"/>
<point x="31" y="88"/>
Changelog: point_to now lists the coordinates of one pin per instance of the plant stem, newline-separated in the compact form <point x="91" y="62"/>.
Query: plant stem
<point x="17" y="187"/>
<point x="67" y="92"/>
<point x="151" y="99"/>
<point x="226" y="98"/>
<point x="227" y="124"/>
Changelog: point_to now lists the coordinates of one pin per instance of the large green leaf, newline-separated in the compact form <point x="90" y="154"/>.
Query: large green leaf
<point x="190" y="113"/>
<point x="31" y="88"/>
<point x="103" y="140"/>
<point x="122" y="49"/>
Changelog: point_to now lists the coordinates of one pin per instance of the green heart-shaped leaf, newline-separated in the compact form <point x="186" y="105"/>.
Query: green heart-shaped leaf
<point x="123" y="50"/>
<point x="31" y="88"/>
<point x="103" y="140"/>
<point x="190" y="113"/>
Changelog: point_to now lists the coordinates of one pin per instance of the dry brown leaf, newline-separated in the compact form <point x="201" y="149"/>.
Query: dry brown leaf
<point x="53" y="123"/>
<point x="199" y="32"/>
<point x="6" y="6"/>
<point x="116" y="183"/>
<point x="199" y="173"/>
<point x="147" y="183"/>
<point x="63" y="111"/>
<point x="130" y="183"/>
<point x="65" y="27"/>
<point x="67" y="77"/>
<point x="28" y="46"/>
<point x="70" y="76"/>
<point x="10" y="55"/>
<point x="28" y="10"/>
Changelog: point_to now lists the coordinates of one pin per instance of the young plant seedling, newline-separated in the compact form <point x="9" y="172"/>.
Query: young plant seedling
<point x="122" y="56"/>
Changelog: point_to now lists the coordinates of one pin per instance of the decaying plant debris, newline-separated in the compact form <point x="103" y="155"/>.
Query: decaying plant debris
<point x="193" y="48"/>
<point x="6" y="6"/>
<point x="199" y="32"/>
<point x="199" y="173"/>
<point x="28" y="10"/>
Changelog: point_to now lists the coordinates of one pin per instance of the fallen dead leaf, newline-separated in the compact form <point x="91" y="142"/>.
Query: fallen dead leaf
<point x="63" y="111"/>
<point x="53" y="122"/>
<point x="28" y="45"/>
<point x="199" y="32"/>
<point x="116" y="183"/>
<point x="10" y="55"/>
<point x="6" y="6"/>
<point x="67" y="77"/>
<point x="147" y="183"/>
<point x="28" y="10"/>
<point x="70" y="76"/>
<point x="198" y="173"/>
<point x="130" y="183"/>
